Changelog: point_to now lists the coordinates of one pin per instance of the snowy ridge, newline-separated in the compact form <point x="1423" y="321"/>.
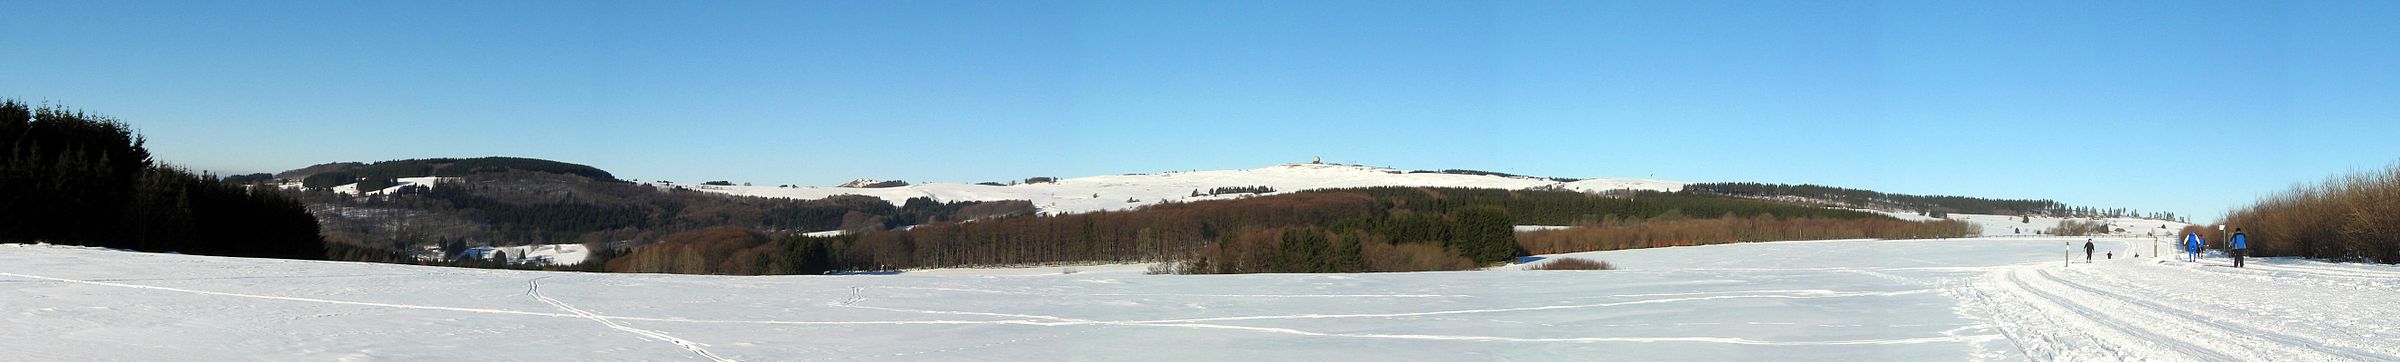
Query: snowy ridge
<point x="1119" y="192"/>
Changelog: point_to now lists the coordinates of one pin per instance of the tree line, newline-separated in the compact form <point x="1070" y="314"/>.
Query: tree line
<point x="1679" y="231"/>
<point x="1462" y="239"/>
<point x="1234" y="190"/>
<point x="384" y="173"/>
<point x="1553" y="207"/>
<point x="1366" y="229"/>
<point x="1857" y="198"/>
<point x="75" y="178"/>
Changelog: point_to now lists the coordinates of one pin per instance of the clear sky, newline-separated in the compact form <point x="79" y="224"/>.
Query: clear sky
<point x="2187" y="106"/>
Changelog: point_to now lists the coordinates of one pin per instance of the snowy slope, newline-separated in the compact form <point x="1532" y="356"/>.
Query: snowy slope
<point x="352" y="189"/>
<point x="1118" y="192"/>
<point x="1915" y="300"/>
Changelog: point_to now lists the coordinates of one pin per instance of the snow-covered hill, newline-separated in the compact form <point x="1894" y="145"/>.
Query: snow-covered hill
<point x="1982" y="299"/>
<point x="1118" y="192"/>
<point x="352" y="189"/>
<point x="2008" y="225"/>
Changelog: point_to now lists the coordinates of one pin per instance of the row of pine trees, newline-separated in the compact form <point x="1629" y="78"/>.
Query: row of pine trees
<point x="75" y="178"/>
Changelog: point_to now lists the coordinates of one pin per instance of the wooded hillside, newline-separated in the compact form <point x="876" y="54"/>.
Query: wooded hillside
<point x="1346" y="230"/>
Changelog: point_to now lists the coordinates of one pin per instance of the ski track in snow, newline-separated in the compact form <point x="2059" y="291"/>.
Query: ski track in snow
<point x="2254" y="338"/>
<point x="534" y="288"/>
<point x="293" y="299"/>
<point x="2081" y="312"/>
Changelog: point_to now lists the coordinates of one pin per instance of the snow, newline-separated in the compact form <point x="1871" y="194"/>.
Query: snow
<point x="1525" y="228"/>
<point x="2000" y="298"/>
<point x="1120" y="192"/>
<point x="826" y="234"/>
<point x="1612" y="184"/>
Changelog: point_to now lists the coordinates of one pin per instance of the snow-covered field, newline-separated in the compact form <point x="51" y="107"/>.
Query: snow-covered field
<point x="1957" y="299"/>
<point x="1118" y="192"/>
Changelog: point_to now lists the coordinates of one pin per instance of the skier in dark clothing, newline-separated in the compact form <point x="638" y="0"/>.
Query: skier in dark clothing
<point x="2087" y="250"/>
<point x="2241" y="245"/>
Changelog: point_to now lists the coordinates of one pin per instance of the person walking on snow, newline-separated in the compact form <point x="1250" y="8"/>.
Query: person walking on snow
<point x="2191" y="246"/>
<point x="2087" y="250"/>
<point x="2241" y="245"/>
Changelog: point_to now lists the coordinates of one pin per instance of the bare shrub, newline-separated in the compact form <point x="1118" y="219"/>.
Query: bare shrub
<point x="1573" y="264"/>
<point x="2346" y="217"/>
<point x="2079" y="228"/>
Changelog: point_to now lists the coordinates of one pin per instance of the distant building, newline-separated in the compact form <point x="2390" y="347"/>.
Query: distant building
<point x="482" y="253"/>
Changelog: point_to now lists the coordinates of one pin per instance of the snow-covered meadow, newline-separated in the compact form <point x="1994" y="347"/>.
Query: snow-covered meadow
<point x="1957" y="299"/>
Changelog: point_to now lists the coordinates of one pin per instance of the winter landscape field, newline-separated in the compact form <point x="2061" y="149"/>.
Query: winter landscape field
<point x="1983" y="299"/>
<point x="1225" y="180"/>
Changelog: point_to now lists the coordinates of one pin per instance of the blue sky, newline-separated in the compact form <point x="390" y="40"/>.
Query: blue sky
<point x="2192" y="107"/>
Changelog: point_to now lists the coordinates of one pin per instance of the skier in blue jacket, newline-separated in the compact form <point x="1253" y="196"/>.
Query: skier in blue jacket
<point x="2241" y="245"/>
<point x="2191" y="246"/>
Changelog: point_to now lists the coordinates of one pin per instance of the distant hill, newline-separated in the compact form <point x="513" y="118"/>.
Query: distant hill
<point x="458" y="204"/>
<point x="344" y="173"/>
<point x="1209" y="221"/>
<point x="304" y="172"/>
